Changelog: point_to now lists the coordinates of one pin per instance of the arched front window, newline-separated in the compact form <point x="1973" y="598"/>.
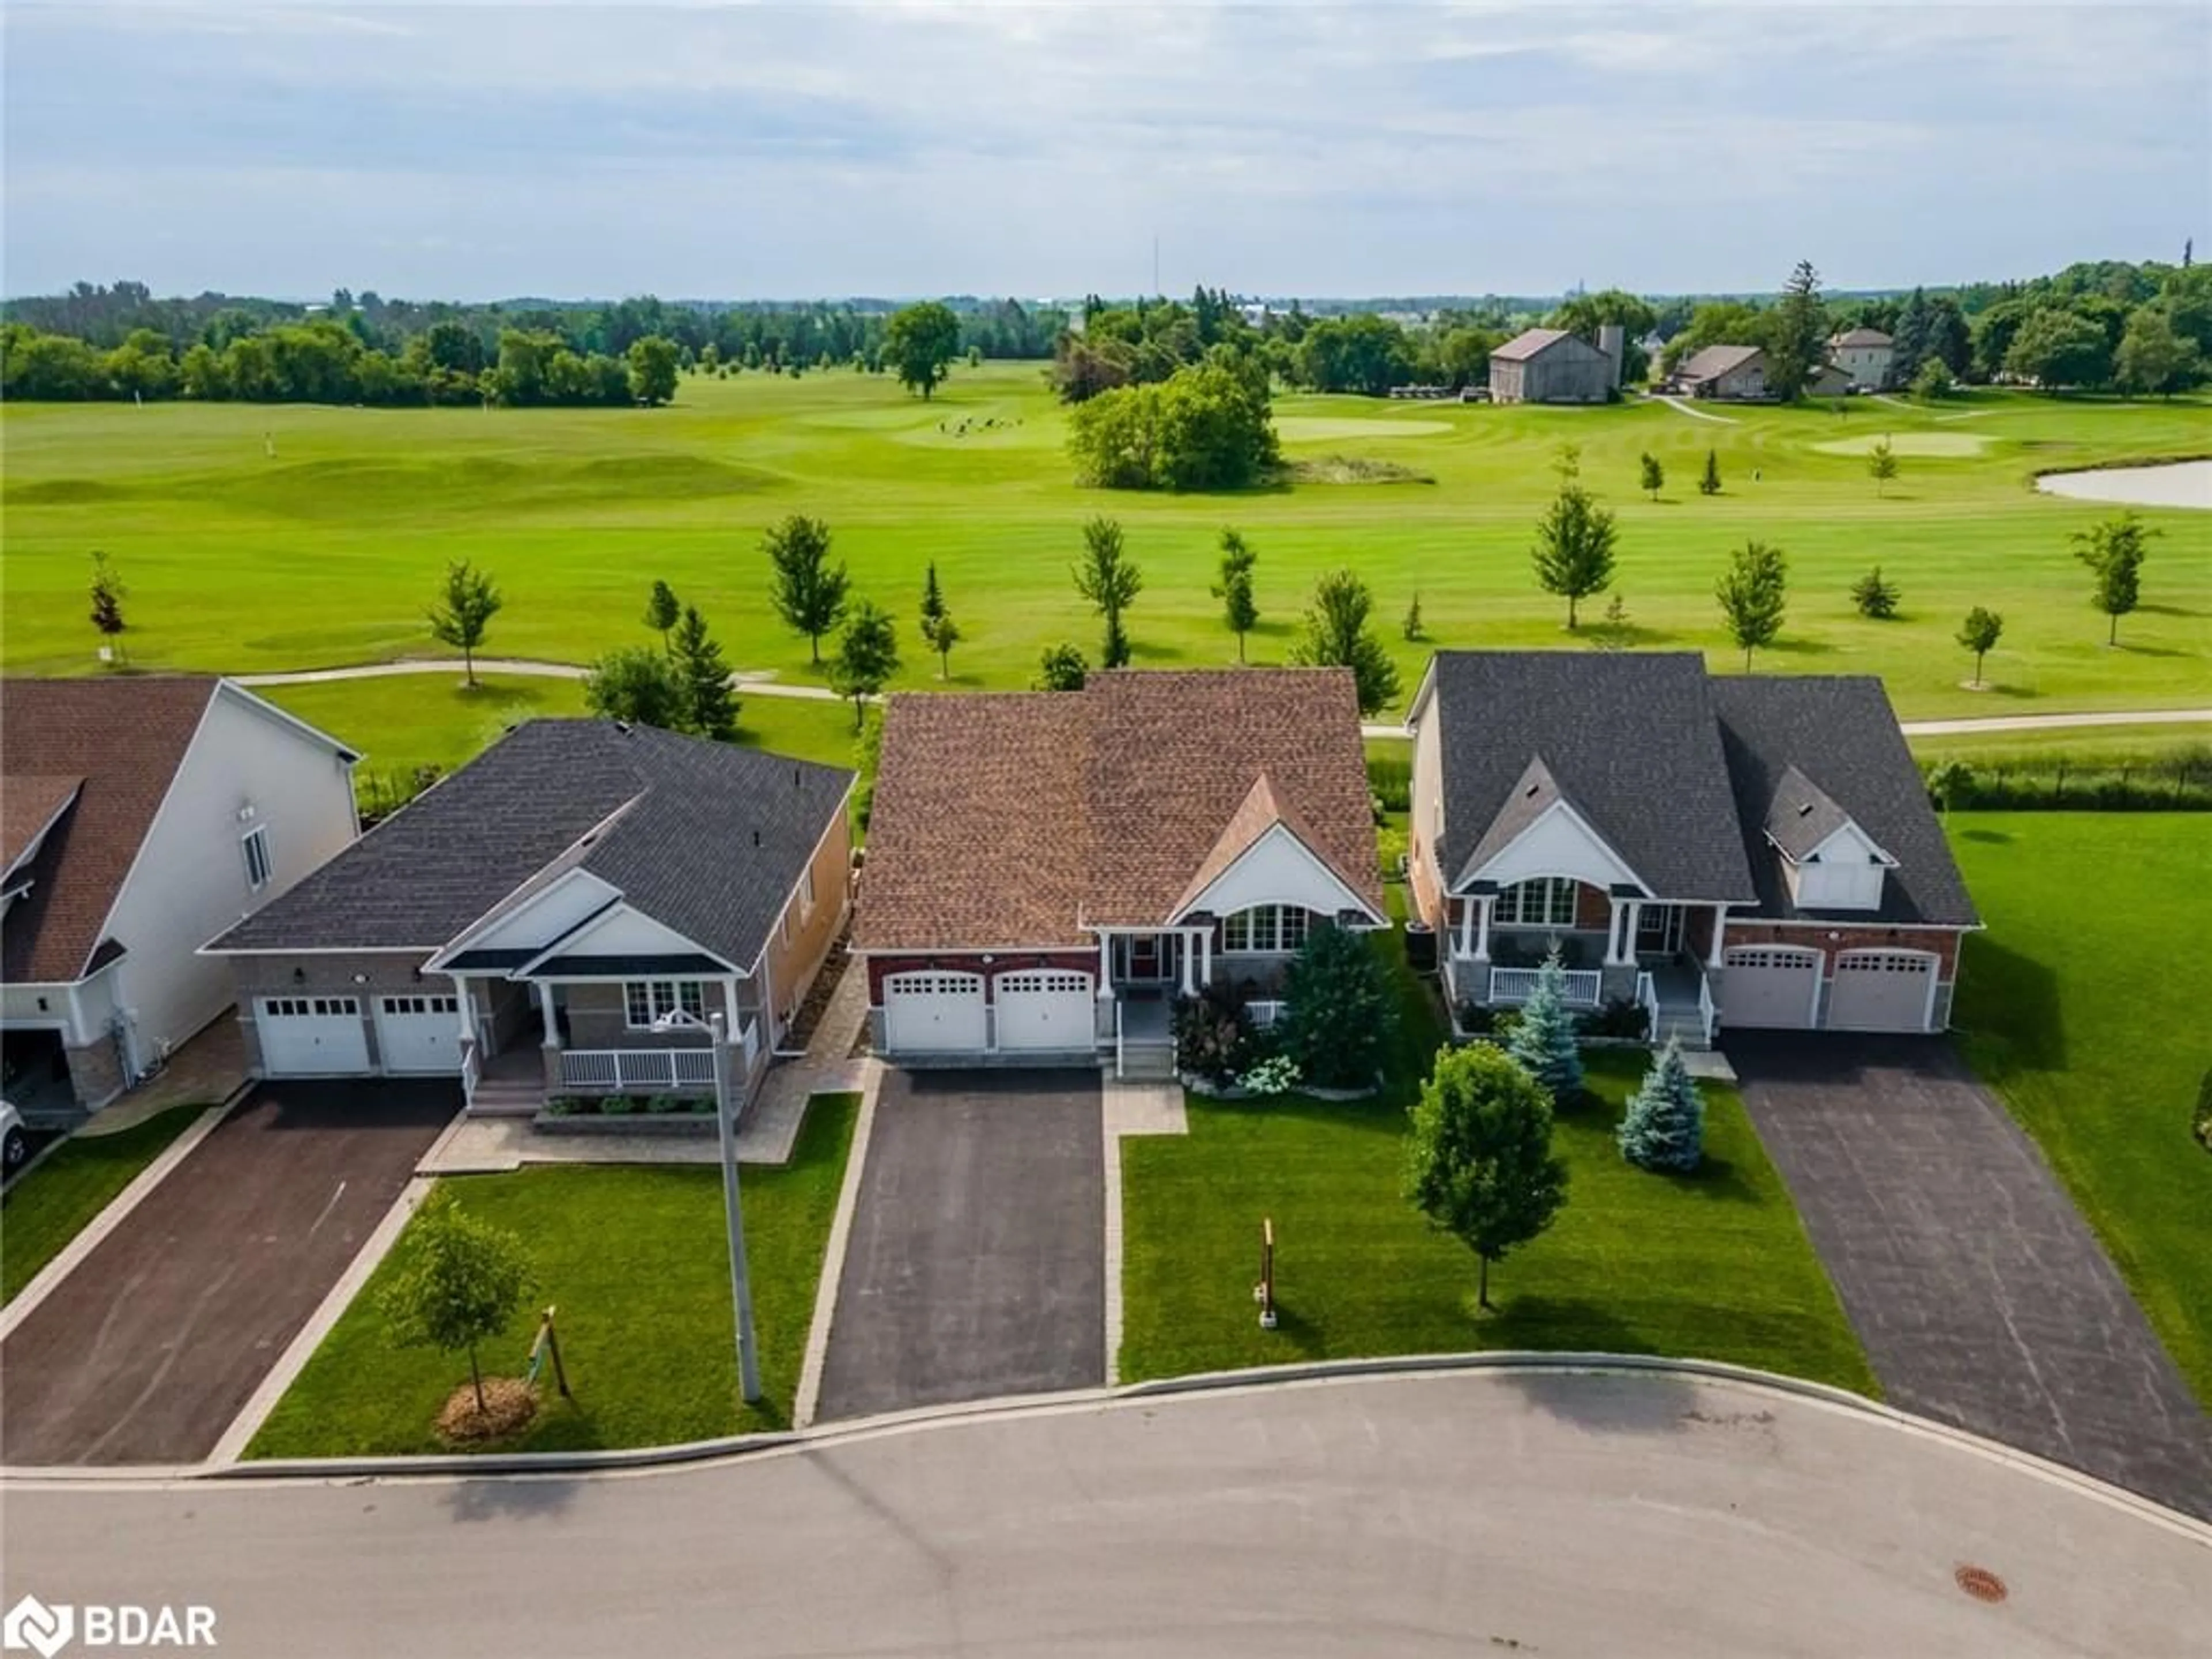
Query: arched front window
<point x="1265" y="929"/>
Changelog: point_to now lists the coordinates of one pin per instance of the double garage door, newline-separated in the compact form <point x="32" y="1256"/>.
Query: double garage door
<point x="1779" y="986"/>
<point x="417" y="1034"/>
<point x="936" y="1012"/>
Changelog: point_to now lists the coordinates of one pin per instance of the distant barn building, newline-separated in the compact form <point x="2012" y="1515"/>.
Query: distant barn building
<point x="1865" y="355"/>
<point x="1550" y="366"/>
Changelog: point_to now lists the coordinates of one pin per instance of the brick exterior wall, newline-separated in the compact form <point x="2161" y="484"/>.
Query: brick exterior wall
<point x="95" y="1073"/>
<point x="327" y="975"/>
<point x="1833" y="939"/>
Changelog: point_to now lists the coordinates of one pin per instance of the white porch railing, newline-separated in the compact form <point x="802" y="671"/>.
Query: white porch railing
<point x="471" y="1070"/>
<point x="1118" y="1053"/>
<point x="1519" y="984"/>
<point x="1265" y="1014"/>
<point x="1705" y="1010"/>
<point x="1647" y="998"/>
<point x="624" y="1069"/>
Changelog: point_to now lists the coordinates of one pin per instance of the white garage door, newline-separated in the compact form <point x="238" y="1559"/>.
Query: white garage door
<point x="1044" y="1010"/>
<point x="934" y="1013"/>
<point x="311" y="1036"/>
<point x="1881" y="990"/>
<point x="1769" y="985"/>
<point x="419" y="1033"/>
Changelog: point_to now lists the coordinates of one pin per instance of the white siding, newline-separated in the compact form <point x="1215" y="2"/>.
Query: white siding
<point x="623" y="931"/>
<point x="1277" y="869"/>
<point x="189" y="882"/>
<point x="547" y="915"/>
<point x="1558" y="844"/>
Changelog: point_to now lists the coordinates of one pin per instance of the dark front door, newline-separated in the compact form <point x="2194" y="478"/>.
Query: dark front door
<point x="1659" y="930"/>
<point x="1148" y="958"/>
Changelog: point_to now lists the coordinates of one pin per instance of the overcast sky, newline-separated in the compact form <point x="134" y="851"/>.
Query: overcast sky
<point x="476" y="151"/>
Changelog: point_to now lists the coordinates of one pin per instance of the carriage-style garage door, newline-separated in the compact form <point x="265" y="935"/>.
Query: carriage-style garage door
<point x="934" y="1013"/>
<point x="1049" y="1010"/>
<point x="1881" y="990"/>
<point x="311" y="1036"/>
<point x="420" y="1033"/>
<point x="1769" y="985"/>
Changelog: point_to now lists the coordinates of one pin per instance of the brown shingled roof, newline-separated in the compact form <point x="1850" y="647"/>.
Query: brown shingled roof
<point x="125" y="737"/>
<point x="28" y="802"/>
<point x="1019" y="819"/>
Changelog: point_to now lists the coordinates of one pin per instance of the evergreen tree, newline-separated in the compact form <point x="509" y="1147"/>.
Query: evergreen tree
<point x="1062" y="669"/>
<point x="1876" y="597"/>
<point x="2114" y="552"/>
<point x="867" y="657"/>
<point x="1337" y="636"/>
<point x="1709" y="483"/>
<point x="661" y="610"/>
<point x="1233" y="587"/>
<point x="1110" y="582"/>
<point x="1574" y="546"/>
<point x="1797" y="332"/>
<point x="1338" y="1015"/>
<point x="1665" y="1125"/>
<point x="1543" y="1038"/>
<point x="1653" y="476"/>
<point x="1751" y="596"/>
<point x="1979" y="634"/>
<point x="939" y="630"/>
<point x="1909" y="341"/>
<point x="470" y="602"/>
<point x="107" y="593"/>
<point x="1412" y="626"/>
<point x="1478" y="1160"/>
<point x="807" y="591"/>
<point x="708" y="707"/>
<point x="1881" y="463"/>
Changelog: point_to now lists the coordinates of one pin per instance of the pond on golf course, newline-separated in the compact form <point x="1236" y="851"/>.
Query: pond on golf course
<point x="2169" y="484"/>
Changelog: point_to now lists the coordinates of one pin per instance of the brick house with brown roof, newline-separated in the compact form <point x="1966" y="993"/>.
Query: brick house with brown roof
<point x="1047" y="870"/>
<point x="137" y="815"/>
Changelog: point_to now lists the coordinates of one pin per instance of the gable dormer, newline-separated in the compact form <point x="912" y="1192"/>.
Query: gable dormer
<point x="1828" y="862"/>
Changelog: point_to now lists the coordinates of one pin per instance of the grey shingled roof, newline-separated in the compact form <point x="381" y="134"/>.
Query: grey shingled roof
<point x="709" y="842"/>
<point x="1802" y="814"/>
<point x="1628" y="737"/>
<point x="1842" y="727"/>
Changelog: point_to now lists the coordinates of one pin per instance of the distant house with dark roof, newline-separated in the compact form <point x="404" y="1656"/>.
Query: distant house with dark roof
<point x="1729" y="372"/>
<point x="565" y="914"/>
<point x="1863" y="356"/>
<point x="1749" y="852"/>
<point x="1047" y="870"/>
<point x="141" y="813"/>
<point x="1550" y="366"/>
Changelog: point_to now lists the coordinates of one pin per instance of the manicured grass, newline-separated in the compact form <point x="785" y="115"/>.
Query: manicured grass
<point x="51" y="1204"/>
<point x="2084" y="1006"/>
<point x="329" y="551"/>
<point x="1715" y="1265"/>
<point x="2091" y="745"/>
<point x="634" y="1258"/>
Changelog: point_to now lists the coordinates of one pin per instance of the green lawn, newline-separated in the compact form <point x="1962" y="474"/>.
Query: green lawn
<point x="2084" y="1006"/>
<point x="328" y="551"/>
<point x="51" y="1204"/>
<point x="1715" y="1265"/>
<point x="633" y="1256"/>
<point x="2092" y="745"/>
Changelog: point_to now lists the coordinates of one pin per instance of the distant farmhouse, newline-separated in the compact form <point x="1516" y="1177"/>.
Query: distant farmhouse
<point x="1865" y="356"/>
<point x="1550" y="366"/>
<point x="1737" y="373"/>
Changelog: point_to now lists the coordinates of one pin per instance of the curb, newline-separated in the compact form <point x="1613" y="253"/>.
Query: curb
<point x="808" y="1393"/>
<point x="94" y="1232"/>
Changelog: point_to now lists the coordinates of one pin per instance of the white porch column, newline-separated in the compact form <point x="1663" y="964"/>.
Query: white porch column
<point x="1206" y="957"/>
<point x="467" y="1006"/>
<point x="1614" y="955"/>
<point x="1635" y="926"/>
<point x="1467" y="927"/>
<point x="1720" y="930"/>
<point x="1189" y="964"/>
<point x="543" y="991"/>
<point x="1482" y="926"/>
<point x="731" y="1023"/>
<point x="1105" y="966"/>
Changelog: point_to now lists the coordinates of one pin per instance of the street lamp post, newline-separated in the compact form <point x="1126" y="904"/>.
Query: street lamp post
<point x="741" y="1285"/>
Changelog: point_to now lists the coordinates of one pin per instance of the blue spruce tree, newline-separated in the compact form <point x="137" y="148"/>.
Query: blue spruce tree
<point x="1665" y="1128"/>
<point x="1543" y="1039"/>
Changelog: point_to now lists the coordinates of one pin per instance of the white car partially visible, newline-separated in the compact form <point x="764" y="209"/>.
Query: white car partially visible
<point x="14" y="1143"/>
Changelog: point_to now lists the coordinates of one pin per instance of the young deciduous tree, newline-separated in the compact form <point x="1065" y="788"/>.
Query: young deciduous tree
<point x="1665" y="1125"/>
<point x="1105" y="576"/>
<point x="458" y="1282"/>
<point x="867" y="657"/>
<point x="1979" y="634"/>
<point x="1062" y="668"/>
<point x="1479" y="1161"/>
<point x="1574" y="546"/>
<point x="661" y="610"/>
<point x="807" y="591"/>
<point x="939" y="630"/>
<point x="1933" y="381"/>
<point x="1709" y="481"/>
<point x="107" y="593"/>
<point x="1751" y="596"/>
<point x="2114" y="552"/>
<point x="709" y="709"/>
<point x="1653" y="476"/>
<point x="1881" y="463"/>
<point x="1233" y="587"/>
<point x="1543" y="1038"/>
<point x="637" y="684"/>
<point x="2153" y="356"/>
<point x="920" y="342"/>
<point x="653" y="365"/>
<point x="1948" y="781"/>
<point x="470" y="602"/>
<point x="1337" y="636"/>
<point x="1876" y="597"/>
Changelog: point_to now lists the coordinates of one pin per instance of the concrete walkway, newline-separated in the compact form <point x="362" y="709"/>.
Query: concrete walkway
<point x="1682" y="408"/>
<point x="208" y="1070"/>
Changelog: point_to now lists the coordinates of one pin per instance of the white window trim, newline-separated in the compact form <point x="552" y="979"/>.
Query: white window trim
<point x="1251" y="916"/>
<point x="805" y="894"/>
<point x="1512" y="902"/>
<point x="663" y="997"/>
<point x="258" y="835"/>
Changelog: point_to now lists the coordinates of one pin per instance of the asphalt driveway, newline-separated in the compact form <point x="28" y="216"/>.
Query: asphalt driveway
<point x="1981" y="1294"/>
<point x="975" y="1266"/>
<point x="150" y="1348"/>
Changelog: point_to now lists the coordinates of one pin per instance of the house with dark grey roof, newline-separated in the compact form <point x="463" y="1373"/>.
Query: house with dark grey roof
<point x="1047" y="870"/>
<point x="141" y="812"/>
<point x="568" y="913"/>
<point x="1752" y="852"/>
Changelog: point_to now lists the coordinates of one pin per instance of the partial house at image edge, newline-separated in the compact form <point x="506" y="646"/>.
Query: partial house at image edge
<point x="1047" y="870"/>
<point x="565" y="914"/>
<point x="1753" y="852"/>
<point x="141" y="813"/>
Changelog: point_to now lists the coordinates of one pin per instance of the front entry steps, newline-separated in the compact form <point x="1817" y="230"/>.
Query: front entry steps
<point x="507" y="1097"/>
<point x="1147" y="1063"/>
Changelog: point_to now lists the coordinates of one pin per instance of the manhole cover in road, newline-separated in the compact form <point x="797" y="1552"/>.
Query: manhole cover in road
<point x="1981" y="1583"/>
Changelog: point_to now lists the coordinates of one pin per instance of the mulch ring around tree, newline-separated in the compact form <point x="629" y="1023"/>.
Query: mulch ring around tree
<point x="509" y="1404"/>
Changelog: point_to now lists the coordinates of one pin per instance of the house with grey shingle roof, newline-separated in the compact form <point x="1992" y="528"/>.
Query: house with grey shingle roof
<point x="1047" y="870"/>
<point x="568" y="913"/>
<point x="141" y="812"/>
<point x="1753" y="852"/>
